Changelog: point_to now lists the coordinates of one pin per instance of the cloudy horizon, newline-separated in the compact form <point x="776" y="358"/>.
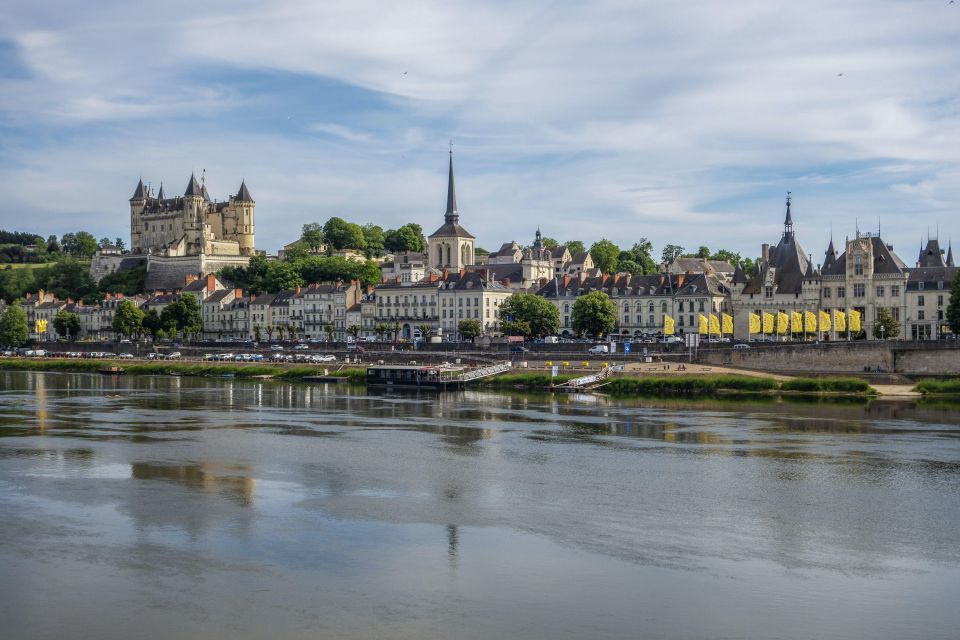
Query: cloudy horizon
<point x="684" y="123"/>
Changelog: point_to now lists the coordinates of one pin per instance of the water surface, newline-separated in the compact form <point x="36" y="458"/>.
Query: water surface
<point x="165" y="507"/>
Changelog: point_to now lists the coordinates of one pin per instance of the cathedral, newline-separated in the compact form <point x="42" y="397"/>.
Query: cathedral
<point x="191" y="224"/>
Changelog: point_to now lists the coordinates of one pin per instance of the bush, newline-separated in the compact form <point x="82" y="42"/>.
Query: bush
<point x="820" y="385"/>
<point x="947" y="385"/>
<point x="688" y="385"/>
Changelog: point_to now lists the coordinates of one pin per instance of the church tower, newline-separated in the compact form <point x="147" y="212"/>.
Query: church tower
<point x="451" y="247"/>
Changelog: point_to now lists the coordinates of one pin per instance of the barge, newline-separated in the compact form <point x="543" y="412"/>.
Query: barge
<point x="430" y="376"/>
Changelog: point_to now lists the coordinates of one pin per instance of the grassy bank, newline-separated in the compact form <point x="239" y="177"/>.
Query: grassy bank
<point x="524" y="381"/>
<point x="827" y="385"/>
<point x="181" y="368"/>
<point x="689" y="385"/>
<point x="949" y="386"/>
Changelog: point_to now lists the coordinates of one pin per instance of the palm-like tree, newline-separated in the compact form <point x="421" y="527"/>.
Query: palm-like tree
<point x="353" y="331"/>
<point x="424" y="330"/>
<point x="328" y="329"/>
<point x="381" y="330"/>
<point x="269" y="332"/>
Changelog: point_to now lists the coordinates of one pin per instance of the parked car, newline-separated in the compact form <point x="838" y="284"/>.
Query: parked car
<point x="173" y="355"/>
<point x="741" y="345"/>
<point x="599" y="348"/>
<point x="301" y="347"/>
<point x="356" y="347"/>
<point x="154" y="356"/>
<point x="518" y="348"/>
<point x="326" y="358"/>
<point x="126" y="356"/>
<point x="276" y="347"/>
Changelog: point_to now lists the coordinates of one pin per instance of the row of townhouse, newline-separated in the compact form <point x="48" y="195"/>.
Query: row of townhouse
<point x="96" y="321"/>
<point x="642" y="302"/>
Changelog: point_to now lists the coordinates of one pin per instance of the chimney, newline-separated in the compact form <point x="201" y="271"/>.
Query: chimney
<point x="765" y="254"/>
<point x="211" y="283"/>
<point x="506" y="282"/>
<point x="566" y="281"/>
<point x="190" y="277"/>
<point x="107" y="296"/>
<point x="297" y="290"/>
<point x="238" y="293"/>
<point x="680" y="279"/>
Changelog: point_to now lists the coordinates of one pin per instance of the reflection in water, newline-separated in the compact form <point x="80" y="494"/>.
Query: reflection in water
<point x="198" y="507"/>
<point x="230" y="481"/>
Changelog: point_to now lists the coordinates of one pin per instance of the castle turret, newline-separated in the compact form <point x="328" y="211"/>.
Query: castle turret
<point x="193" y="208"/>
<point x="244" y="205"/>
<point x="137" y="204"/>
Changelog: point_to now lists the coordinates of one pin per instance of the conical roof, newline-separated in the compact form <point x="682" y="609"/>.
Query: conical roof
<point x="739" y="277"/>
<point x="193" y="189"/>
<point x="452" y="215"/>
<point x="140" y="192"/>
<point x="831" y="256"/>
<point x="243" y="194"/>
<point x="950" y="255"/>
<point x="161" y="195"/>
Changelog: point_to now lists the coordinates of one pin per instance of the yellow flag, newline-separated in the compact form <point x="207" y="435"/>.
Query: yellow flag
<point x="667" y="326"/>
<point x="37" y="325"/>
<point x="714" y="324"/>
<point x="767" y="322"/>
<point x="839" y="320"/>
<point x="809" y="322"/>
<point x="754" y="323"/>
<point x="796" y="322"/>
<point x="727" y="321"/>
<point x="783" y="322"/>
<point x="703" y="325"/>
<point x="824" y="321"/>
<point x="854" y="318"/>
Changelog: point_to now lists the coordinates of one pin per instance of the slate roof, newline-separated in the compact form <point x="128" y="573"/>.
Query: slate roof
<point x="140" y="192"/>
<point x="885" y="261"/>
<point x="471" y="280"/>
<point x="451" y="226"/>
<point x="930" y="277"/>
<point x="931" y="255"/>
<point x="193" y="188"/>
<point x="243" y="194"/>
<point x="950" y="256"/>
<point x="787" y="259"/>
<point x="218" y="296"/>
<point x="636" y="286"/>
<point x="830" y="257"/>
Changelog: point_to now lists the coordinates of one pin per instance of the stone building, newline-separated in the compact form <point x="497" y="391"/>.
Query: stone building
<point x="469" y="295"/>
<point x="451" y="247"/>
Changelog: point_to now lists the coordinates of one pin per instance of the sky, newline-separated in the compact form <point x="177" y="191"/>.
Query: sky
<point x="680" y="122"/>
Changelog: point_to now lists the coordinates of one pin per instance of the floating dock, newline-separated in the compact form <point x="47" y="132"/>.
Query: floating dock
<point x="430" y="376"/>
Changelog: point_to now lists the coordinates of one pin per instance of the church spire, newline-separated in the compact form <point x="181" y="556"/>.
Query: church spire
<point x="452" y="216"/>
<point x="161" y="195"/>
<point x="950" y="254"/>
<point x="788" y="220"/>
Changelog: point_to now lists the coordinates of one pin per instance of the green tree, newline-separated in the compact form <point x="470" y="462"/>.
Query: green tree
<point x="256" y="333"/>
<point x="13" y="326"/>
<point x="541" y="317"/>
<point x="312" y="236"/>
<point x="469" y="329"/>
<point x="727" y="256"/>
<point x="151" y="323"/>
<point x="605" y="255"/>
<point x="353" y="331"/>
<point x="67" y="324"/>
<point x="119" y="243"/>
<point x="281" y="329"/>
<point x="270" y="332"/>
<point x="381" y="329"/>
<point x="549" y="243"/>
<point x="575" y="247"/>
<point x="282" y="276"/>
<point x="395" y="330"/>
<point x="86" y="244"/>
<point x="341" y="234"/>
<point x="104" y="242"/>
<point x="373" y="238"/>
<point x="515" y="327"/>
<point x="629" y="266"/>
<point x="128" y="320"/>
<point x="425" y="331"/>
<point x="670" y="252"/>
<point x="886" y="325"/>
<point x="953" y="307"/>
<point x="409" y="237"/>
<point x="328" y="329"/>
<point x="594" y="314"/>
<point x="642" y="254"/>
<point x="703" y="252"/>
<point x="183" y="316"/>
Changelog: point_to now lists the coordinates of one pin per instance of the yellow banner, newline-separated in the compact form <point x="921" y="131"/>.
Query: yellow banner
<point x="703" y="325"/>
<point x="727" y="322"/>
<point x="767" y="322"/>
<point x="783" y="322"/>
<point x="854" y="317"/>
<point x="809" y="322"/>
<point x="839" y="320"/>
<point x="796" y="322"/>
<point x="40" y="326"/>
<point x="714" y="324"/>
<point x="667" y="326"/>
<point x="824" y="321"/>
<point x="754" y="320"/>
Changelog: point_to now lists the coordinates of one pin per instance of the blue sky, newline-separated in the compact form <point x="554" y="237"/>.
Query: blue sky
<point x="683" y="122"/>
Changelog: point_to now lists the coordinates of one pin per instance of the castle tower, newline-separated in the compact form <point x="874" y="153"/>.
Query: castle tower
<point x="193" y="214"/>
<point x="451" y="246"/>
<point x="243" y="205"/>
<point x="137" y="204"/>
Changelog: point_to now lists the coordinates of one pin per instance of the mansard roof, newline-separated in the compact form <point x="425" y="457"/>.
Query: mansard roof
<point x="931" y="276"/>
<point x="624" y="285"/>
<point x="790" y="266"/>
<point x="885" y="261"/>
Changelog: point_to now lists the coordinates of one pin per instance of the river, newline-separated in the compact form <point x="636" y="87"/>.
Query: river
<point x="174" y="507"/>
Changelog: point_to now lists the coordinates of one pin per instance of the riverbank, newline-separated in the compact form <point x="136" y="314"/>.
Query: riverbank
<point x="943" y="386"/>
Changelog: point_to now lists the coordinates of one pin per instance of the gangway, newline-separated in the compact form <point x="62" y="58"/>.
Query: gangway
<point x="587" y="382"/>
<point x="485" y="372"/>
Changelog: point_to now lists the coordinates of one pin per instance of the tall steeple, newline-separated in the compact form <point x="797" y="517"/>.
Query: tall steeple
<point x="950" y="255"/>
<point x="452" y="216"/>
<point x="161" y="195"/>
<point x="788" y="220"/>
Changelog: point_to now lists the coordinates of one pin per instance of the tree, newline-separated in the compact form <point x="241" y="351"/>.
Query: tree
<point x="67" y="324"/>
<point x="52" y="245"/>
<point x="328" y="329"/>
<point x="594" y="313"/>
<point x="642" y="253"/>
<point x="670" y="252"/>
<point x="629" y="266"/>
<point x="409" y="237"/>
<point x="395" y="330"/>
<point x="312" y="236"/>
<point x="469" y="329"/>
<point x="270" y="332"/>
<point x="381" y="329"/>
<point x="119" y="243"/>
<point x="541" y="317"/>
<point x="151" y="323"/>
<point x="575" y="247"/>
<point x="953" y="307"/>
<point x="128" y="320"/>
<point x="886" y="325"/>
<point x="292" y="330"/>
<point x="727" y="256"/>
<point x="341" y="234"/>
<point x="605" y="255"/>
<point x="373" y="237"/>
<point x="183" y="316"/>
<point x="549" y="243"/>
<point x="515" y="328"/>
<point x="424" y="330"/>
<point x="703" y="252"/>
<point x="13" y="326"/>
<point x="85" y="245"/>
<point x="353" y="331"/>
<point x="104" y="242"/>
<point x="257" y="333"/>
<point x="280" y="331"/>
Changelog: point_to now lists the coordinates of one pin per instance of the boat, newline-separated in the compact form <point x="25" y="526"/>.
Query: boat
<point x="113" y="370"/>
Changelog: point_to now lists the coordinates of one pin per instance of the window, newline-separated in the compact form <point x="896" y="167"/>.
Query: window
<point x="566" y="307"/>
<point x="879" y="292"/>
<point x="841" y="292"/>
<point x="768" y="292"/>
<point x="920" y="301"/>
<point x="940" y="284"/>
<point x="680" y="319"/>
<point x="920" y="315"/>
<point x="895" y="290"/>
<point x="650" y="307"/>
<point x="691" y="321"/>
<point x="939" y="301"/>
<point x="859" y="290"/>
<point x="650" y="321"/>
<point x="920" y="286"/>
<point x="700" y="308"/>
<point x="858" y="266"/>
<point x="663" y="307"/>
<point x="680" y="308"/>
<point x="826" y="292"/>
